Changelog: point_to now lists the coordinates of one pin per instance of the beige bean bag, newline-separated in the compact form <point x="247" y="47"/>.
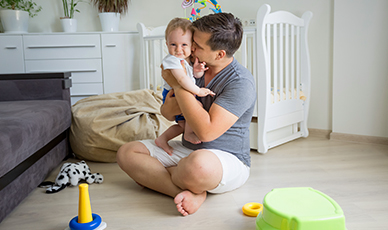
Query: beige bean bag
<point x="101" y="124"/>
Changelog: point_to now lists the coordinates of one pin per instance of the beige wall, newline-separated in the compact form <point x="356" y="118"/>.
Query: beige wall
<point x="328" y="14"/>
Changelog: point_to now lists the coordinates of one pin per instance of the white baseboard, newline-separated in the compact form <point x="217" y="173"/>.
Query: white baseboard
<point x="358" y="138"/>
<point x="320" y="132"/>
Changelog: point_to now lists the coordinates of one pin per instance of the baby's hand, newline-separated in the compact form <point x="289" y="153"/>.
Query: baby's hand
<point x="199" y="67"/>
<point x="204" y="92"/>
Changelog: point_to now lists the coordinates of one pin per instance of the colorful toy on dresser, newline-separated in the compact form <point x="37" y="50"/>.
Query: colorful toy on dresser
<point x="196" y="12"/>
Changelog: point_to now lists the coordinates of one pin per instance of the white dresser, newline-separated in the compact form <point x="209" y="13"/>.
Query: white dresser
<point x="99" y="62"/>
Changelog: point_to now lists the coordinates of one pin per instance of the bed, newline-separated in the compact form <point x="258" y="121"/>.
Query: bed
<point x="276" y="53"/>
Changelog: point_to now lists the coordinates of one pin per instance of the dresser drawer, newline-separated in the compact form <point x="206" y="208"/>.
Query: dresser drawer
<point x="11" y="54"/>
<point x="62" y="47"/>
<point x="86" y="89"/>
<point x="80" y="91"/>
<point x="83" y="70"/>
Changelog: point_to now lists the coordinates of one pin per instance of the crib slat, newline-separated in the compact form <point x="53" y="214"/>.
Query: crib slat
<point x="158" y="76"/>
<point x="281" y="62"/>
<point x="298" y="62"/>
<point x="292" y="61"/>
<point x="286" y="59"/>
<point x="254" y="69"/>
<point x="244" y="49"/>
<point x="275" y="63"/>
<point x="147" y="77"/>
<point x="250" y="54"/>
<point x="154" y="64"/>
<point x="269" y="51"/>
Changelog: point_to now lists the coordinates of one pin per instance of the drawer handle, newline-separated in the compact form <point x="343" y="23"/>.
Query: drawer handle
<point x="11" y="47"/>
<point x="83" y="71"/>
<point x="61" y="46"/>
<point x="111" y="45"/>
<point x="83" y="95"/>
<point x="60" y="71"/>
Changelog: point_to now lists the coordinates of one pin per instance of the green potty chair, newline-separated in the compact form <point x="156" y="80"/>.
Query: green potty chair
<point x="299" y="209"/>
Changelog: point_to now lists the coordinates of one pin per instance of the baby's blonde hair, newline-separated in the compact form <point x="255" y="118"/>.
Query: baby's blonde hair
<point x="176" y="23"/>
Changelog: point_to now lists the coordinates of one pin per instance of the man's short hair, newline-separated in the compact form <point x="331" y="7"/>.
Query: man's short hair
<point x="225" y="29"/>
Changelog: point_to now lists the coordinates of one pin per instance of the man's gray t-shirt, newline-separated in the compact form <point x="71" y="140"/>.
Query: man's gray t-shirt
<point x="235" y="91"/>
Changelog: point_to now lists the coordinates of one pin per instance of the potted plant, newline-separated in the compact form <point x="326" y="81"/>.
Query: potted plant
<point x="110" y="12"/>
<point x="68" y="22"/>
<point x="15" y="14"/>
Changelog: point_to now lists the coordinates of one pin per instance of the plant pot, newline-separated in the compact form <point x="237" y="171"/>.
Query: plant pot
<point x="109" y="21"/>
<point x="14" y="21"/>
<point x="69" y="25"/>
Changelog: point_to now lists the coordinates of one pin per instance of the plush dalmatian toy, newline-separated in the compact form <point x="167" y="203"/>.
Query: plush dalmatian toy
<point x="71" y="174"/>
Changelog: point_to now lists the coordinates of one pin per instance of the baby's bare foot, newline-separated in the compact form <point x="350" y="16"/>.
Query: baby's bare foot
<point x="188" y="202"/>
<point x="192" y="138"/>
<point x="164" y="145"/>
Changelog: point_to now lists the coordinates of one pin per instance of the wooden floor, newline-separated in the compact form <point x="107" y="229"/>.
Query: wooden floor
<point x="353" y="174"/>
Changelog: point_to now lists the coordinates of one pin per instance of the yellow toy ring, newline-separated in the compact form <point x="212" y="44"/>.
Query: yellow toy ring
<point x="252" y="209"/>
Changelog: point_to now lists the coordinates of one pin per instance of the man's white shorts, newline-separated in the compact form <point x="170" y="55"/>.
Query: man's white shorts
<point x="235" y="172"/>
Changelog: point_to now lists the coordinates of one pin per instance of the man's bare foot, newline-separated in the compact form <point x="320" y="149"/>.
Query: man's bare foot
<point x="164" y="145"/>
<point x="188" y="202"/>
<point x="192" y="138"/>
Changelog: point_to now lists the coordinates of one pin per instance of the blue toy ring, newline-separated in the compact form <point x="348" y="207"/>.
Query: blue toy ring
<point x="74" y="225"/>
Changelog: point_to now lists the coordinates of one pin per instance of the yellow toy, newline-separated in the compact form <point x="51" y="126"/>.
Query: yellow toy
<point x="252" y="209"/>
<point x="85" y="219"/>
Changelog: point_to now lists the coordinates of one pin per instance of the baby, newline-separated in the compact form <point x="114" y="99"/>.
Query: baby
<point x="179" y="41"/>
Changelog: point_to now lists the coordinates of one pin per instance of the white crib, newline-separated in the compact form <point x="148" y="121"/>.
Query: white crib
<point x="283" y="73"/>
<point x="152" y="50"/>
<point x="276" y="53"/>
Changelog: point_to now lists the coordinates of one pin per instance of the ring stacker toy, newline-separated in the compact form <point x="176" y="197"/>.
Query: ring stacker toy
<point x="299" y="209"/>
<point x="252" y="209"/>
<point x="85" y="219"/>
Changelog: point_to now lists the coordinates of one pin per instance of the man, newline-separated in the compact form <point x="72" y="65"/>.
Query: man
<point x="221" y="162"/>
